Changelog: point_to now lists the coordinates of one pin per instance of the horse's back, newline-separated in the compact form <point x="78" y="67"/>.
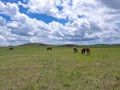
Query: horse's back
<point x="49" y="48"/>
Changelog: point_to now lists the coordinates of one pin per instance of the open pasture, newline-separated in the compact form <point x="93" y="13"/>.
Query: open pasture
<point x="32" y="67"/>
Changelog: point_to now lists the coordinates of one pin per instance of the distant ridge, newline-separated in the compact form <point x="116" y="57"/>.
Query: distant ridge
<point x="33" y="44"/>
<point x="106" y="44"/>
<point x="41" y="44"/>
<point x="70" y="45"/>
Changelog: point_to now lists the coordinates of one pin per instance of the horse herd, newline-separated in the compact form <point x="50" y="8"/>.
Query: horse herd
<point x="84" y="51"/>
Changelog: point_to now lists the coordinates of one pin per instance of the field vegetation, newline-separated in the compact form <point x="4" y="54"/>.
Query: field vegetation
<point x="32" y="67"/>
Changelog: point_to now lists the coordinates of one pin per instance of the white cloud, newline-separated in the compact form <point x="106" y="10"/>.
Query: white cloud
<point x="89" y="22"/>
<point x="112" y="3"/>
<point x="12" y="25"/>
<point x="2" y="21"/>
<point x="9" y="9"/>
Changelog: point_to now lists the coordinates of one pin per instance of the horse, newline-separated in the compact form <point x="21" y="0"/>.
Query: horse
<point x="75" y="50"/>
<point x="85" y="51"/>
<point x="11" y="48"/>
<point x="49" y="48"/>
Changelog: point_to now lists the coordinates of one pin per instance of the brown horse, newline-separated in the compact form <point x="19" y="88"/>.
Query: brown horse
<point x="49" y="48"/>
<point x="75" y="50"/>
<point x="85" y="51"/>
<point x="11" y="48"/>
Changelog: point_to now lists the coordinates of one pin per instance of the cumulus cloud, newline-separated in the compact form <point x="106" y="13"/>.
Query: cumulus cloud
<point x="112" y="3"/>
<point x="89" y="22"/>
<point x="2" y="21"/>
<point x="9" y="9"/>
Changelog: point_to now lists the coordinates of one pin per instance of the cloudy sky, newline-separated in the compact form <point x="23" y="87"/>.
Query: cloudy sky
<point x="59" y="22"/>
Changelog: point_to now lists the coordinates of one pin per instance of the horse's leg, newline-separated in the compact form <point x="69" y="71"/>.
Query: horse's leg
<point x="76" y="51"/>
<point x="85" y="52"/>
<point x="88" y="52"/>
<point x="82" y="52"/>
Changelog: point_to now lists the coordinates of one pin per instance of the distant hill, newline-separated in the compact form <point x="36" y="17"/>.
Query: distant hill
<point x="107" y="44"/>
<point x="70" y="45"/>
<point x="33" y="44"/>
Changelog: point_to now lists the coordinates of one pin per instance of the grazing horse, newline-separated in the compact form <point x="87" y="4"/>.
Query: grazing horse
<point x="11" y="48"/>
<point x="85" y="51"/>
<point x="49" y="48"/>
<point x="75" y="50"/>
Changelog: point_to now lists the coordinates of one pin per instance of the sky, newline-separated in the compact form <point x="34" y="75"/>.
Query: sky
<point x="57" y="22"/>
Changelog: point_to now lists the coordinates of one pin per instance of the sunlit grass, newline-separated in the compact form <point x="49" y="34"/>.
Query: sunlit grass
<point x="35" y="68"/>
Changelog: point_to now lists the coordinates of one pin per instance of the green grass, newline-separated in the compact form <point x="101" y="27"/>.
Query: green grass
<point x="35" y="68"/>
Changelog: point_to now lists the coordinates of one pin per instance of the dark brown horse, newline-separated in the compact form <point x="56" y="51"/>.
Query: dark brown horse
<point x="75" y="50"/>
<point x="85" y="51"/>
<point x="11" y="48"/>
<point x="49" y="48"/>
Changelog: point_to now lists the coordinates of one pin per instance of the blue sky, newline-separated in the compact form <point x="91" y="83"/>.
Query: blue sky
<point x="57" y="22"/>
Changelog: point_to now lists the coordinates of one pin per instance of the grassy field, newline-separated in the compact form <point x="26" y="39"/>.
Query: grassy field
<point x="32" y="67"/>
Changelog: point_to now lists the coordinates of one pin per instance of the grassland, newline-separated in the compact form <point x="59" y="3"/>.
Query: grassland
<point x="32" y="67"/>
